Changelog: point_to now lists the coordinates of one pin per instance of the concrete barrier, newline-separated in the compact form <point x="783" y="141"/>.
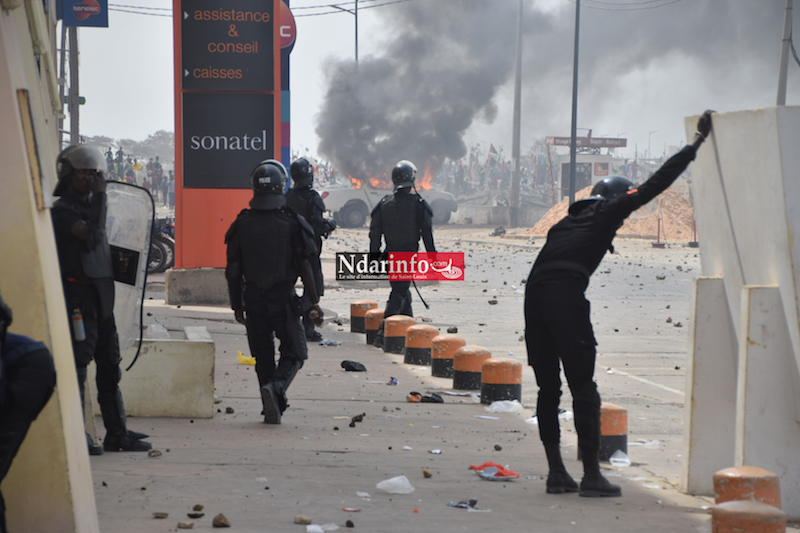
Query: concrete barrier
<point x="418" y="344"/>
<point x="613" y="430"/>
<point x="467" y="366"/>
<point x="394" y="333"/>
<point x="171" y="378"/>
<point x="358" y="311"/>
<point x="747" y="517"/>
<point x="442" y="349"/>
<point x="747" y="483"/>
<point x="501" y="379"/>
<point x="372" y="323"/>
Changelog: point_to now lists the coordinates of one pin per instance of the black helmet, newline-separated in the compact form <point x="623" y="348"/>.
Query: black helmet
<point x="403" y="175"/>
<point x="302" y="172"/>
<point x="268" y="181"/>
<point x="77" y="157"/>
<point x="608" y="189"/>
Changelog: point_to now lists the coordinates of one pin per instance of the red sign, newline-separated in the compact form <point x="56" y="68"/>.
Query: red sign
<point x="601" y="169"/>
<point x="587" y="142"/>
<point x="288" y="29"/>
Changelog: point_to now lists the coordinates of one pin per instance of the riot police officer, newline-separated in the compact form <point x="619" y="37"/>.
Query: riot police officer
<point x="27" y="379"/>
<point x="558" y="329"/>
<point x="79" y="220"/>
<point x="401" y="219"/>
<point x="268" y="246"/>
<point x="306" y="202"/>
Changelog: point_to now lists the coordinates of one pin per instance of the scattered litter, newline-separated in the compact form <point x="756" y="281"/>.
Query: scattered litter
<point x="396" y="485"/>
<point x="566" y="415"/>
<point x="504" y="406"/>
<point x="532" y="477"/>
<point x="353" y="366"/>
<point x="159" y="514"/>
<point x="498" y="448"/>
<point x="408" y="448"/>
<point x="351" y="510"/>
<point x="244" y="360"/>
<point x="363" y="495"/>
<point x="229" y="410"/>
<point x="651" y="445"/>
<point x="452" y="329"/>
<point x="154" y="453"/>
<point x="195" y="515"/>
<point x="315" y="528"/>
<point x="328" y="342"/>
<point x="185" y="525"/>
<point x="486" y="417"/>
<point x="318" y="375"/>
<point x="470" y="505"/>
<point x="393" y="381"/>
<point x="609" y="371"/>
<point x="494" y="472"/>
<point x="349" y="523"/>
<point x="416" y="397"/>
<point x="302" y="519"/>
<point x="619" y="458"/>
<point x="651" y="485"/>
<point x="426" y="473"/>
<point x="437" y="451"/>
<point x="534" y="420"/>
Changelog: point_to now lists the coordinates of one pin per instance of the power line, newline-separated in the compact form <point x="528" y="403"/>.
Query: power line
<point x="336" y="8"/>
<point x="630" y="6"/>
<point x="340" y="10"/>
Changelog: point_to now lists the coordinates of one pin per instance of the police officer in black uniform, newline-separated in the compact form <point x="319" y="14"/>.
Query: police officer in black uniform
<point x="268" y="246"/>
<point x="558" y="328"/>
<point x="79" y="220"/>
<point x="306" y="202"/>
<point x="401" y="219"/>
<point x="27" y="379"/>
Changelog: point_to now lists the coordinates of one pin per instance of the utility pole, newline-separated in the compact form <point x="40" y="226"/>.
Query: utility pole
<point x="62" y="81"/>
<point x="74" y="91"/>
<point x="784" y="65"/>
<point x="573" y="136"/>
<point x="515" y="151"/>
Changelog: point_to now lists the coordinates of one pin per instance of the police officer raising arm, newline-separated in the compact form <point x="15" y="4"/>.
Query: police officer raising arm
<point x="401" y="219"/>
<point x="268" y="246"/>
<point x="558" y="328"/>
<point x="306" y="202"/>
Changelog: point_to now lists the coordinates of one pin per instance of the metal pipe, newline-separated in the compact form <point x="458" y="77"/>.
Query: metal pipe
<point x="74" y="90"/>
<point x="784" y="65"/>
<point x="515" y="148"/>
<point x="573" y="134"/>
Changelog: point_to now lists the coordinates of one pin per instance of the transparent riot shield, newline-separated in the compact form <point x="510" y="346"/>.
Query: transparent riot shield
<point x="129" y="223"/>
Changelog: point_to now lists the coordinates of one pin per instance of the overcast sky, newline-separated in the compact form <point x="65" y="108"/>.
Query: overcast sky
<point x="645" y="64"/>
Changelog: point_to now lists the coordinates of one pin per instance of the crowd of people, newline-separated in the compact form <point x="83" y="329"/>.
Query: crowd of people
<point x="150" y="175"/>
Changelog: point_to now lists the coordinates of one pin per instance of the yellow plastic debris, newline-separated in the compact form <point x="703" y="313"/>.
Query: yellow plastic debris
<point x="244" y="360"/>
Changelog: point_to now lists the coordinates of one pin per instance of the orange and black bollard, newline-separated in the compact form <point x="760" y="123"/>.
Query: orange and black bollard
<point x="358" y="310"/>
<point x="747" y="516"/>
<point x="467" y="364"/>
<point x="613" y="430"/>
<point x="747" y="483"/>
<point x="501" y="379"/>
<point x="442" y="349"/>
<point x="418" y="344"/>
<point x="394" y="333"/>
<point x="372" y="323"/>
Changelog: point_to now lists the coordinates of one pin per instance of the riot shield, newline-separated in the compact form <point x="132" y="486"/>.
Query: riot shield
<point x="129" y="223"/>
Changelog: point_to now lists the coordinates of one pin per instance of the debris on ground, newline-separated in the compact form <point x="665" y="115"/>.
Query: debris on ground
<point x="353" y="366"/>
<point x="220" y="521"/>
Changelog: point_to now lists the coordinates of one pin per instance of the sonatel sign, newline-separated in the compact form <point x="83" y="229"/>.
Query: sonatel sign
<point x="225" y="135"/>
<point x="400" y="266"/>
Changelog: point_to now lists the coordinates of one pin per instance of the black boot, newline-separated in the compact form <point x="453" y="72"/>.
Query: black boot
<point x="594" y="484"/>
<point x="270" y="401"/>
<point x="558" y="479"/>
<point x="125" y="443"/>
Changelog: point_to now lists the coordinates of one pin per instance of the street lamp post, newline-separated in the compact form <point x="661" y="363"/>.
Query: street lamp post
<point x="648" y="142"/>
<point x="355" y="13"/>
<point x="573" y="133"/>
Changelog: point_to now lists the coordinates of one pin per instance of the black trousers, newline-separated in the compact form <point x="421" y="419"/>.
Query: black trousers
<point x="29" y="377"/>
<point x="558" y="331"/>
<point x="101" y="345"/>
<point x="268" y="317"/>
<point x="399" y="302"/>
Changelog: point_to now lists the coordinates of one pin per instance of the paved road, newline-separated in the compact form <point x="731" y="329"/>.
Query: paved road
<point x="261" y="476"/>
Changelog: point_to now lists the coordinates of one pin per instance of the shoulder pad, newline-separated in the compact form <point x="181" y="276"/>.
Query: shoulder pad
<point x="317" y="200"/>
